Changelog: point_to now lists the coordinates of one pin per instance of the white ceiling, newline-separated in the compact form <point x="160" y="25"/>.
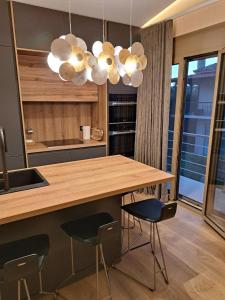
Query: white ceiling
<point x="115" y="10"/>
<point x="119" y="10"/>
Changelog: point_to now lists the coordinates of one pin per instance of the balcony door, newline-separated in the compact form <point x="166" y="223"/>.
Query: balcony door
<point x="197" y="110"/>
<point x="214" y="208"/>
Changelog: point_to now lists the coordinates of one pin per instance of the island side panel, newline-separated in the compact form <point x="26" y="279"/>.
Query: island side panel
<point x="58" y="262"/>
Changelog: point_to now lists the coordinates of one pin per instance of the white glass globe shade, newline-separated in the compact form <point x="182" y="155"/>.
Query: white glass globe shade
<point x="117" y="50"/>
<point x="73" y="60"/>
<point x="97" y="48"/>
<point x="121" y="71"/>
<point x="54" y="63"/>
<point x="62" y="37"/>
<point x="88" y="74"/>
<point x="102" y="64"/>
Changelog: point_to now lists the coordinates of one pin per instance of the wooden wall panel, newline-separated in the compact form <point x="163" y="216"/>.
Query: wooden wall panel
<point x="56" y="121"/>
<point x="39" y="83"/>
<point x="99" y="111"/>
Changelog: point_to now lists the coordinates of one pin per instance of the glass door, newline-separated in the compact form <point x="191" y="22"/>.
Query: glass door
<point x="198" y="99"/>
<point x="215" y="191"/>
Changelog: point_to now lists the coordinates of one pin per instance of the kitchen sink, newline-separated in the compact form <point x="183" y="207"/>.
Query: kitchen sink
<point x="24" y="179"/>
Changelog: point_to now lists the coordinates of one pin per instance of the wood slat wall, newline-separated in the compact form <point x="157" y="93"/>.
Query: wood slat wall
<point x="56" y="121"/>
<point x="39" y="83"/>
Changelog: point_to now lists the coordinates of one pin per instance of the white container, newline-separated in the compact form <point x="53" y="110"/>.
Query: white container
<point x="86" y="132"/>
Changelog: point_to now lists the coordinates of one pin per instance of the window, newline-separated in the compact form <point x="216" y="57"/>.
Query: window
<point x="198" y="98"/>
<point x="173" y="94"/>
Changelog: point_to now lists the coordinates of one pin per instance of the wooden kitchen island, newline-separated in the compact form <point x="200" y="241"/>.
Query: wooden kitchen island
<point x="76" y="189"/>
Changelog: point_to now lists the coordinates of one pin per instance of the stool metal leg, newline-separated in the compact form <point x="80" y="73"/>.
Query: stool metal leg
<point x="19" y="289"/>
<point x="106" y="271"/>
<point x="162" y="254"/>
<point x="154" y="257"/>
<point x="42" y="292"/>
<point x="72" y="256"/>
<point x="124" y="226"/>
<point x="152" y="241"/>
<point x="73" y="273"/>
<point x="26" y="288"/>
<point x="97" y="273"/>
<point x="163" y="269"/>
<point x="133" y="200"/>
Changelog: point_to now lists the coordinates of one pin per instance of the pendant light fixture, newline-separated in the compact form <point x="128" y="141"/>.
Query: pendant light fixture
<point x="105" y="53"/>
<point x="69" y="57"/>
<point x="131" y="62"/>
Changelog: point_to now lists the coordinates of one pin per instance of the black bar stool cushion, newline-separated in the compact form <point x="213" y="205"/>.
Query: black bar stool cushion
<point x="151" y="210"/>
<point x="85" y="229"/>
<point x="38" y="244"/>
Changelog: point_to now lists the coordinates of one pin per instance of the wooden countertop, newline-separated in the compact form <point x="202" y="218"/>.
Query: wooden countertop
<point x="79" y="182"/>
<point x="39" y="147"/>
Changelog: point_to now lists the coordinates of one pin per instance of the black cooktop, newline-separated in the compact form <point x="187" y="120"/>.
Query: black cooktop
<point x="62" y="142"/>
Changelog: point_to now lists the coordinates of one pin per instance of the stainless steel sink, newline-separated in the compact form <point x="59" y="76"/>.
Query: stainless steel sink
<point x="21" y="180"/>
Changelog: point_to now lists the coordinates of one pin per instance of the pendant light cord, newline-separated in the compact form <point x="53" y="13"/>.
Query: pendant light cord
<point x="131" y="19"/>
<point x="70" y="21"/>
<point x="103" y="20"/>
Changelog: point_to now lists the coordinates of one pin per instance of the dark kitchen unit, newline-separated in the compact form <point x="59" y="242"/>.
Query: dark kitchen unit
<point x="122" y="122"/>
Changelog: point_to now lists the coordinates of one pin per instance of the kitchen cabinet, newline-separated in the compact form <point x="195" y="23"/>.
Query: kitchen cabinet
<point x="119" y="35"/>
<point x="37" y="27"/>
<point x="53" y="157"/>
<point x="5" y="26"/>
<point x="10" y="115"/>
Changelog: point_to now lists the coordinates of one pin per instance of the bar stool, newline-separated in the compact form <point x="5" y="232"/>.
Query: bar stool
<point x="92" y="230"/>
<point x="132" y="200"/>
<point x="152" y="211"/>
<point x="21" y="258"/>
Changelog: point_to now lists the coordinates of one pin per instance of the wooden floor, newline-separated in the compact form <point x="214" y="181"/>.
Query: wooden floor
<point x="195" y="256"/>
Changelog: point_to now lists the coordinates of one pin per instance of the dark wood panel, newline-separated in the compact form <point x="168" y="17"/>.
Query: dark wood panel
<point x="53" y="157"/>
<point x="119" y="35"/>
<point x="37" y="27"/>
<point x="5" y="24"/>
<point x="14" y="162"/>
<point x="10" y="115"/>
<point x="89" y="29"/>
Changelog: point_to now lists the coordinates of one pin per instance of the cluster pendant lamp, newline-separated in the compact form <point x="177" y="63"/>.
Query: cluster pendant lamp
<point x="71" y="60"/>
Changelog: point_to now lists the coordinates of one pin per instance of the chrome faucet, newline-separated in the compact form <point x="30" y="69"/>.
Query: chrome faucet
<point x="3" y="150"/>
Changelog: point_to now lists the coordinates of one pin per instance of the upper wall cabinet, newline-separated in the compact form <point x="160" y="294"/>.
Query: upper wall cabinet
<point x="119" y="35"/>
<point x="5" y="26"/>
<point x="88" y="29"/>
<point x="36" y="27"/>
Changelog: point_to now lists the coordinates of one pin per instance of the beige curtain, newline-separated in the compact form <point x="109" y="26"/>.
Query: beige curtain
<point x="154" y="98"/>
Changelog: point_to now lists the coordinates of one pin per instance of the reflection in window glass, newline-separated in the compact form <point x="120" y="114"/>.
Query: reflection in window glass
<point x="215" y="204"/>
<point x="196" y="126"/>
<point x="173" y="94"/>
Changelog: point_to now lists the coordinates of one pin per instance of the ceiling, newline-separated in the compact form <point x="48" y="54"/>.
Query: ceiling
<point x="118" y="10"/>
<point x="115" y="10"/>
